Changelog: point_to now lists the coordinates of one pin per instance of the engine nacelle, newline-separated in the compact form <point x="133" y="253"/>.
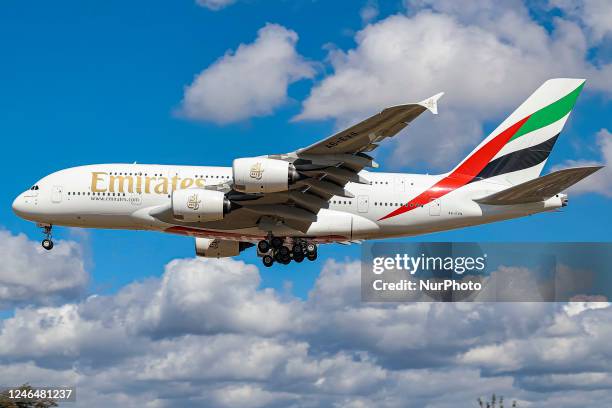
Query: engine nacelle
<point x="261" y="175"/>
<point x="219" y="248"/>
<point x="196" y="204"/>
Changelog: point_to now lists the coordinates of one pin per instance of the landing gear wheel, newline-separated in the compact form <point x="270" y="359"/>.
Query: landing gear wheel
<point x="268" y="261"/>
<point x="283" y="251"/>
<point x="297" y="250"/>
<point x="298" y="258"/>
<point x="47" y="244"/>
<point x="312" y="257"/>
<point x="276" y="242"/>
<point x="263" y="246"/>
<point x="311" y="248"/>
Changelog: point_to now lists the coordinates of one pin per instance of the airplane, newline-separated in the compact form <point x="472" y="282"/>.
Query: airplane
<point x="287" y="204"/>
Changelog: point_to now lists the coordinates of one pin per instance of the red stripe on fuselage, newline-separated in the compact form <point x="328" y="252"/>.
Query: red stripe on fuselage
<point x="462" y="174"/>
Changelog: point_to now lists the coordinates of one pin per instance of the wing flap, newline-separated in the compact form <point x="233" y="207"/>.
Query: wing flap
<point x="539" y="189"/>
<point x="283" y="211"/>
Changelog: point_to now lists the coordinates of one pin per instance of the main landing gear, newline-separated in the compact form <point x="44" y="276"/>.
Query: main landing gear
<point x="274" y="249"/>
<point x="47" y="243"/>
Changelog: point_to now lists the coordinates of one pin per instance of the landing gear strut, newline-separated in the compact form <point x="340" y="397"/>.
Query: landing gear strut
<point x="47" y="243"/>
<point x="273" y="249"/>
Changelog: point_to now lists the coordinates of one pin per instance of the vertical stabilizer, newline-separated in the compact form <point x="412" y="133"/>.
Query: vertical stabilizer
<point x="519" y="147"/>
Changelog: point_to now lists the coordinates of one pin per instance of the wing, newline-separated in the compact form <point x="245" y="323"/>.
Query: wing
<point x="325" y="168"/>
<point x="365" y="135"/>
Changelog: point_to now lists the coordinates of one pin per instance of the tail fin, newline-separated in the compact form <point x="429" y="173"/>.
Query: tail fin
<point x="519" y="147"/>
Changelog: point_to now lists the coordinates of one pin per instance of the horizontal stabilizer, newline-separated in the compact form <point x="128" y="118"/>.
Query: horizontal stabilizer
<point x="539" y="189"/>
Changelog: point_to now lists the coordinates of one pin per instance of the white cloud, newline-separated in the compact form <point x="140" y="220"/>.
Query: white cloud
<point x="29" y="274"/>
<point x="487" y="59"/>
<point x="205" y="296"/>
<point x="248" y="396"/>
<point x="576" y="307"/>
<point x="206" y="334"/>
<point x="594" y="15"/>
<point x="215" y="4"/>
<point x="601" y="181"/>
<point x="252" y="81"/>
<point x="369" y="11"/>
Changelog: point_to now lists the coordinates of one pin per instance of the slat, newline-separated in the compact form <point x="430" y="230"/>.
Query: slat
<point x="333" y="159"/>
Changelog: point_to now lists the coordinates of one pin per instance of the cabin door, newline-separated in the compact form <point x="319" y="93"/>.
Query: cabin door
<point x="363" y="203"/>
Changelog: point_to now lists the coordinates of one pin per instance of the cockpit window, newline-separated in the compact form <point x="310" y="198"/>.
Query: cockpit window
<point x="35" y="187"/>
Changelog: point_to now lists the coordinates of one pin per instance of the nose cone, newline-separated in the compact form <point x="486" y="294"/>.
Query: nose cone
<point x="19" y="206"/>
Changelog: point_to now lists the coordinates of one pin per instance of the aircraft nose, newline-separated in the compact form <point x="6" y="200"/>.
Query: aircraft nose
<point x="19" y="206"/>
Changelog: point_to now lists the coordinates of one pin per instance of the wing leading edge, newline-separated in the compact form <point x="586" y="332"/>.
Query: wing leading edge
<point x="365" y="135"/>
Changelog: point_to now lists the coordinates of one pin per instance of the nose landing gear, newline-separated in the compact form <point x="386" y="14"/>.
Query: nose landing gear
<point x="47" y="243"/>
<point x="273" y="250"/>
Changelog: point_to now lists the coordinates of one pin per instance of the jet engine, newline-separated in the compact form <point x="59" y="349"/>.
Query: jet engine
<point x="196" y="204"/>
<point x="219" y="248"/>
<point x="262" y="175"/>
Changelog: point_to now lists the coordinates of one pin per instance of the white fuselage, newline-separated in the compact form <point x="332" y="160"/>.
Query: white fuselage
<point x="122" y="196"/>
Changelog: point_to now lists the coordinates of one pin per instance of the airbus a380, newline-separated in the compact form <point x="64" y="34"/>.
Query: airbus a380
<point x="287" y="204"/>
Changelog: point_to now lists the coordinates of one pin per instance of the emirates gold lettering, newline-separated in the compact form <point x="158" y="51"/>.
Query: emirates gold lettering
<point x="139" y="185"/>
<point x="102" y="182"/>
<point x="186" y="183"/>
<point x="96" y="177"/>
<point x="117" y="184"/>
<point x="148" y="184"/>
<point x="162" y="187"/>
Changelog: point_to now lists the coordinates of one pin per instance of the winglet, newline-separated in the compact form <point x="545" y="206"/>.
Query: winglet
<point x="432" y="103"/>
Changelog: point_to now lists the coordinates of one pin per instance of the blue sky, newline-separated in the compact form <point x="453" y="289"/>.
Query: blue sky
<point x="131" y="317"/>
<point x="86" y="82"/>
